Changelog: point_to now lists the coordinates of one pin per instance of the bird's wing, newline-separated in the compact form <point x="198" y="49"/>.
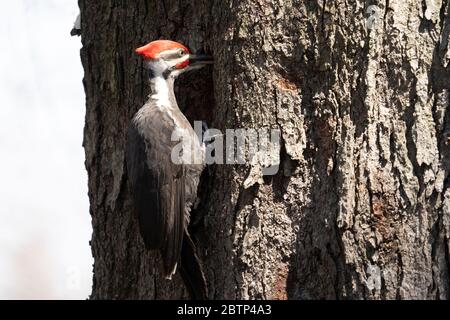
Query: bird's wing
<point x="175" y="226"/>
<point x="158" y="188"/>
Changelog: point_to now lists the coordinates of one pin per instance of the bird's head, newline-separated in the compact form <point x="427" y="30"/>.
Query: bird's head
<point x="169" y="58"/>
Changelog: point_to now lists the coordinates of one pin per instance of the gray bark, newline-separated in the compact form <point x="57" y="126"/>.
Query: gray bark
<point x="360" y="208"/>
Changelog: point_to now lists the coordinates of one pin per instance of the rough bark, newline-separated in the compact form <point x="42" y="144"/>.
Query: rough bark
<point x="360" y="208"/>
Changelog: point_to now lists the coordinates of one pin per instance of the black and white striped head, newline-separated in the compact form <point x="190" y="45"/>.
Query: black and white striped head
<point x="169" y="58"/>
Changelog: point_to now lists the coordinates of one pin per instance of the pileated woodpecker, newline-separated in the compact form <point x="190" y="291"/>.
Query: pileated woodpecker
<point x="164" y="183"/>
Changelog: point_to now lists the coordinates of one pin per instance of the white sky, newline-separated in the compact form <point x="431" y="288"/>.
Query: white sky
<point x="45" y="223"/>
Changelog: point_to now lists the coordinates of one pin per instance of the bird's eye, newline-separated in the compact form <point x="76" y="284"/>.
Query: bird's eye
<point x="181" y="52"/>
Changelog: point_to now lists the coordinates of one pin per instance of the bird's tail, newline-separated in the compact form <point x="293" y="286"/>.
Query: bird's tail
<point x="191" y="270"/>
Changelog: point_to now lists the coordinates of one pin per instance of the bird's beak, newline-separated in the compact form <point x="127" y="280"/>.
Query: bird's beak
<point x="200" y="60"/>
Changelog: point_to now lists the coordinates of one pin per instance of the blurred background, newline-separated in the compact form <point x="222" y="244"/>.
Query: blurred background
<point x="45" y="224"/>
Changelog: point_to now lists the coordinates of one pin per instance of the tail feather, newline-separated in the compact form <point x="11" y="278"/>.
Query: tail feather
<point x="191" y="270"/>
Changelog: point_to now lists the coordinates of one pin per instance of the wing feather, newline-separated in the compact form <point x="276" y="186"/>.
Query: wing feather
<point x="175" y="228"/>
<point x="159" y="199"/>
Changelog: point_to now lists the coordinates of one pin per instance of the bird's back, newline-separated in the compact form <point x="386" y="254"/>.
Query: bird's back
<point x="163" y="190"/>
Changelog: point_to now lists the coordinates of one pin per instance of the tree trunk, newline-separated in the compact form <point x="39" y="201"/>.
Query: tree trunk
<point x="360" y="208"/>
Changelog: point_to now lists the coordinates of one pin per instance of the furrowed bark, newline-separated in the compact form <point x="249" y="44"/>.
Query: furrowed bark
<point x="360" y="208"/>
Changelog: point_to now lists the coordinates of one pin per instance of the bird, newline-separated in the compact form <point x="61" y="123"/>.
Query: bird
<point x="165" y="158"/>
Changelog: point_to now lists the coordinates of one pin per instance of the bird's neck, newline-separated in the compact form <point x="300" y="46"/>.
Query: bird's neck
<point x="162" y="91"/>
